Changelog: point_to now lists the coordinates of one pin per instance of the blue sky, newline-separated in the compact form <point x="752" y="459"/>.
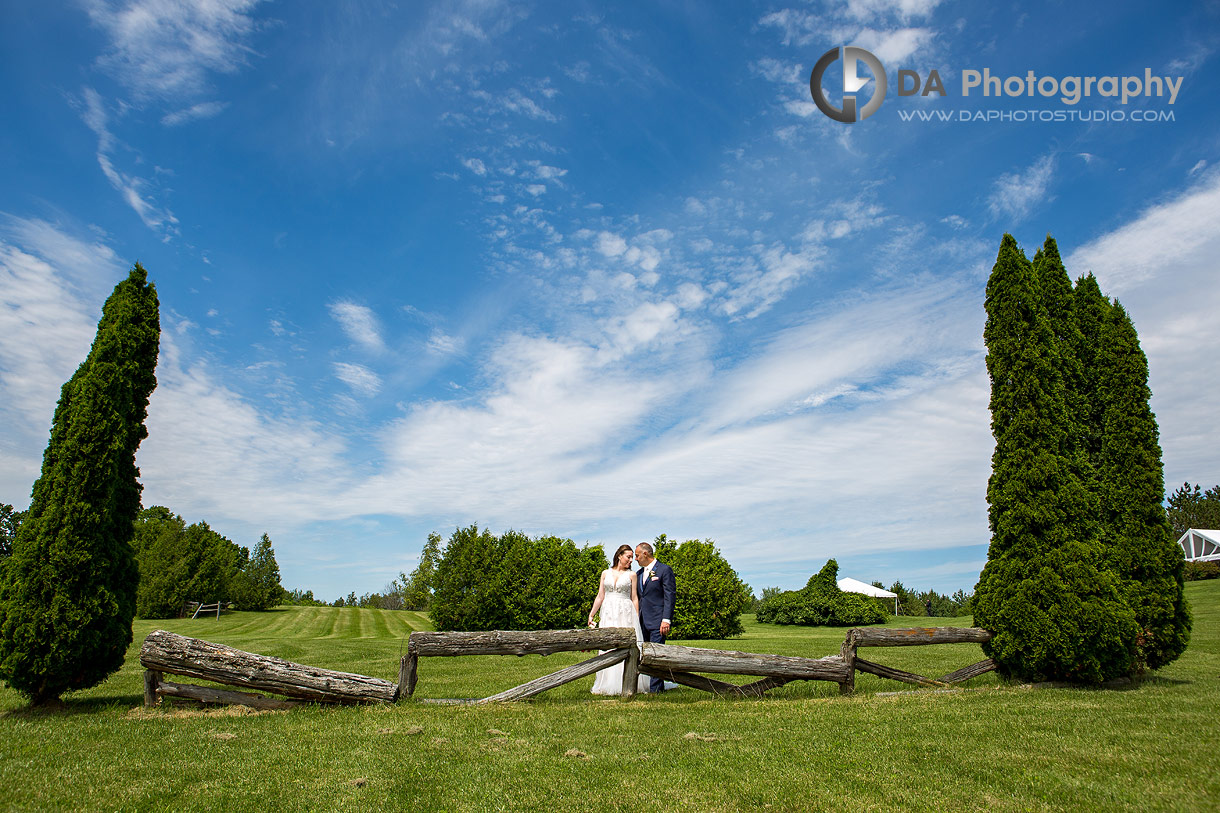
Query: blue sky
<point x="595" y="270"/>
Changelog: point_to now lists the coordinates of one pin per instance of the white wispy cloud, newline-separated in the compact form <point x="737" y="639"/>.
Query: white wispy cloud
<point x="168" y="49"/>
<point x="130" y="187"/>
<point x="894" y="46"/>
<point x="1014" y="195"/>
<point x="211" y="452"/>
<point x="902" y="9"/>
<point x="359" y="323"/>
<point x="443" y="344"/>
<point x="52" y="284"/>
<point x="1162" y="267"/>
<point x="203" y="110"/>
<point x="361" y="379"/>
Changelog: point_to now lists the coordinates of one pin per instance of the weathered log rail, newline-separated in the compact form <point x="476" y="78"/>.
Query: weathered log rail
<point x="911" y="636"/>
<point x="191" y="657"/>
<point x="619" y="643"/>
<point x="165" y="652"/>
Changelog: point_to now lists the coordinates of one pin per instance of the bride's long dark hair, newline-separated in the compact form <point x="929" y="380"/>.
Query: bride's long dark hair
<point x="617" y="554"/>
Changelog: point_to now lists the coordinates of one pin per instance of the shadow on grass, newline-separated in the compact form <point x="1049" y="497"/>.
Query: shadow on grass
<point x="73" y="707"/>
<point x="1158" y="680"/>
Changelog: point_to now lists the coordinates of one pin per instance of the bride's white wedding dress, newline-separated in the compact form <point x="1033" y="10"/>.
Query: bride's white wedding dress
<point x="618" y="611"/>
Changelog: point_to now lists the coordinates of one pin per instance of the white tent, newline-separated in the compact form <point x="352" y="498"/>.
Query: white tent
<point x="853" y="586"/>
<point x="1201" y="546"/>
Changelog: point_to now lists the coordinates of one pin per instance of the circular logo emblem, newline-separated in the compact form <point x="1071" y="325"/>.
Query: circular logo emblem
<point x="852" y="83"/>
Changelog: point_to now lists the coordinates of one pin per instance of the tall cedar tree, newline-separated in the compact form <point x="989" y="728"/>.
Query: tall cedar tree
<point x="1054" y="290"/>
<point x="68" y="593"/>
<point x="1090" y="310"/>
<point x="1138" y="539"/>
<point x="1053" y="607"/>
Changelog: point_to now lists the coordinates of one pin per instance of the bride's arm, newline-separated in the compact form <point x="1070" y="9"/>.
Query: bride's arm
<point x="635" y="595"/>
<point x="601" y="594"/>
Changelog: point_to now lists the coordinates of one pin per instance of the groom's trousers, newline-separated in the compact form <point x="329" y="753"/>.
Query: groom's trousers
<point x="656" y="684"/>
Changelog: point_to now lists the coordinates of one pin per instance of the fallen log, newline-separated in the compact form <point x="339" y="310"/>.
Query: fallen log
<point x="896" y="674"/>
<point x="167" y="652"/>
<point x="518" y="642"/>
<point x="718" y="687"/>
<point x="707" y="684"/>
<point x="972" y="671"/>
<point x="690" y="659"/>
<point x="565" y="675"/>
<point x="916" y="636"/>
<point x="206" y="694"/>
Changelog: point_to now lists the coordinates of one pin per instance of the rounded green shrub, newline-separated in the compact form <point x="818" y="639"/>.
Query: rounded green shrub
<point x="820" y="603"/>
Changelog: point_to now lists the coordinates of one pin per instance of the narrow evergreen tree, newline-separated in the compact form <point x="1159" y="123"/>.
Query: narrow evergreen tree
<point x="1053" y="607"/>
<point x="68" y="593"/>
<point x="1054" y="290"/>
<point x="1090" y="309"/>
<point x="259" y="585"/>
<point x="1139" y="542"/>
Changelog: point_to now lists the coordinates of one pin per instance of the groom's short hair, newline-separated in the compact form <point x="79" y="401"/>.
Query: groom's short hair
<point x="646" y="547"/>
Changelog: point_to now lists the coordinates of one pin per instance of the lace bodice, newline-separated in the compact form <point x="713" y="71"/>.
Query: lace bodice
<point x="617" y="583"/>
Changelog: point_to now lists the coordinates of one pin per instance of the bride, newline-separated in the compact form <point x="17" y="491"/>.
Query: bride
<point x="620" y="607"/>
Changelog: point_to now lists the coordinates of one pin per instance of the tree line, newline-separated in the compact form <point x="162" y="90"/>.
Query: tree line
<point x="179" y="563"/>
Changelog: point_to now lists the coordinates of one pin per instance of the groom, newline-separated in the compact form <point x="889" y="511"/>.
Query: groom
<point x="657" y="595"/>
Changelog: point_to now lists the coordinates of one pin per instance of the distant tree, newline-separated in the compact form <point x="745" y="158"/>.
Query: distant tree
<point x="940" y="606"/>
<point x="1053" y="606"/>
<point x="1137" y="538"/>
<point x="259" y="581"/>
<point x="821" y="603"/>
<point x="68" y="592"/>
<point x="10" y="521"/>
<point x="767" y="592"/>
<point x="416" y="589"/>
<point x="963" y="603"/>
<point x="1201" y="571"/>
<point x="1191" y="507"/>
<point x="302" y="598"/>
<point x="710" y="596"/>
<point x="391" y="598"/>
<point x="909" y="602"/>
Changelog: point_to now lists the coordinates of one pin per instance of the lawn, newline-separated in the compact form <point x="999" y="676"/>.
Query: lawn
<point x="991" y="745"/>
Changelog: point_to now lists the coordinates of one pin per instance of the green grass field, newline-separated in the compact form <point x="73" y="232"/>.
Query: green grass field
<point x="991" y="746"/>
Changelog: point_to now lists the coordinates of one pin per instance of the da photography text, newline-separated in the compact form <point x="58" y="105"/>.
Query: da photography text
<point x="984" y="84"/>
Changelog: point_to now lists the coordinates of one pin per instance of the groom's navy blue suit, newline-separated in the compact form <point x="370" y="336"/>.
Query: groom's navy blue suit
<point x="657" y="596"/>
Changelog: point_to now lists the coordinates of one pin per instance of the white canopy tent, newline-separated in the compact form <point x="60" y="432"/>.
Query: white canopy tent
<point x="1201" y="546"/>
<point x="853" y="586"/>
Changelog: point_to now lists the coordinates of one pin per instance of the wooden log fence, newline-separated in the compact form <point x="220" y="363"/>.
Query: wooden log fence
<point x="912" y="636"/>
<point x="165" y="652"/>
